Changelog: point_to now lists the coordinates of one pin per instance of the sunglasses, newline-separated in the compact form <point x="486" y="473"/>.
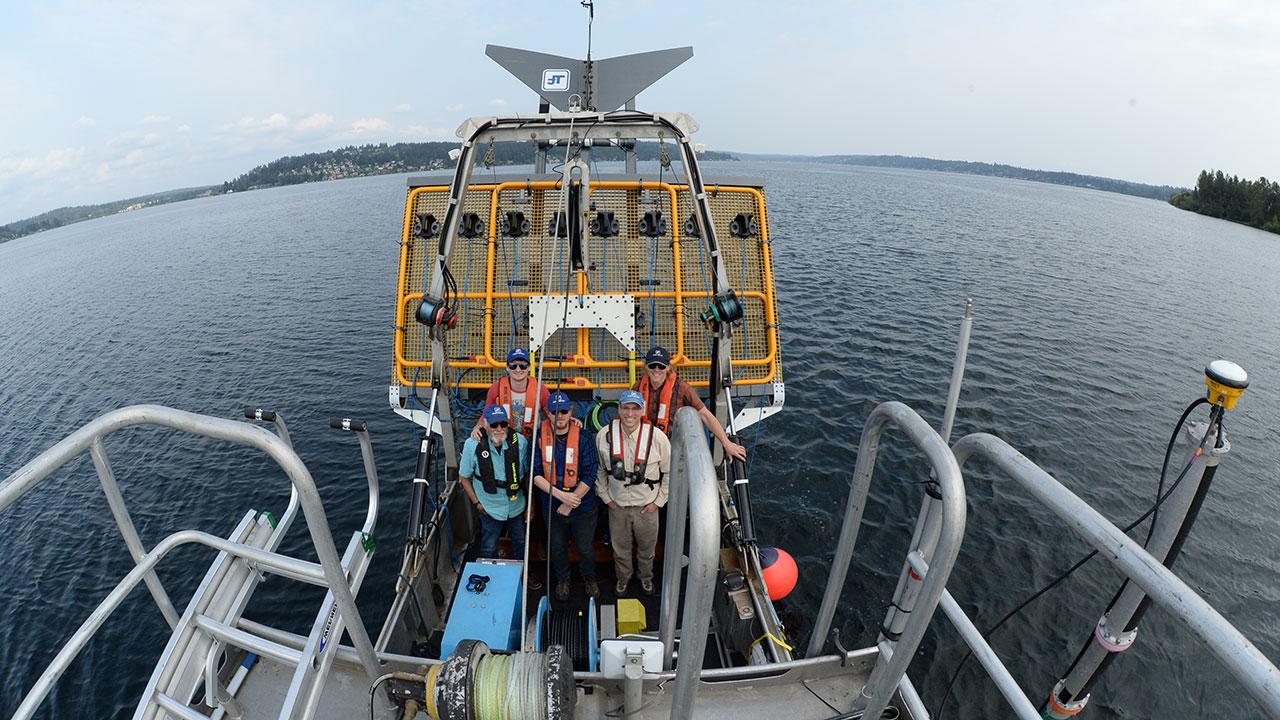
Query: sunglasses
<point x="499" y="425"/>
<point x="562" y="412"/>
<point x="657" y="366"/>
<point x="518" y="366"/>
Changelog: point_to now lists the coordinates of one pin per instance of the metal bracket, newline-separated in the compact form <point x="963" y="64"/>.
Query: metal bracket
<point x="549" y="313"/>
<point x="749" y="416"/>
<point x="1113" y="642"/>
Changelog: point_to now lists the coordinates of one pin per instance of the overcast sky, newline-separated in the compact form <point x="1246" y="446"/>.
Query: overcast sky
<point x="104" y="100"/>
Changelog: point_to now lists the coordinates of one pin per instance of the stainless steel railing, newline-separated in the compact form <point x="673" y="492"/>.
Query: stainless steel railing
<point x="892" y="664"/>
<point x="692" y="494"/>
<point x="328" y="572"/>
<point x="1240" y="657"/>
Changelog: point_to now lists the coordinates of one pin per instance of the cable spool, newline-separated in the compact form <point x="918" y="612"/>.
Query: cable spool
<point x="568" y="629"/>
<point x="724" y="308"/>
<point x="475" y="684"/>
<point x="599" y="415"/>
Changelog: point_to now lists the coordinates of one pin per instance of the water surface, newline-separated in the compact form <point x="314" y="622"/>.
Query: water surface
<point x="1095" y="316"/>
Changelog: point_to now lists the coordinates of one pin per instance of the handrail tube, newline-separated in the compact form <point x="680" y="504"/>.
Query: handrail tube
<point x="248" y="641"/>
<point x="673" y="557"/>
<point x="982" y="650"/>
<point x="280" y="564"/>
<point x="69" y="447"/>
<point x="1259" y="676"/>
<point x="371" y="472"/>
<point x="689" y="448"/>
<point x="886" y="675"/>
<point x="124" y="522"/>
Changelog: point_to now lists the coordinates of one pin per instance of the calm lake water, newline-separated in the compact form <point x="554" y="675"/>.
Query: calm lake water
<point x="1096" y="314"/>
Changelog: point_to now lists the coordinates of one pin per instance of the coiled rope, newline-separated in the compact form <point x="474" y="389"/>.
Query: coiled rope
<point x="511" y="687"/>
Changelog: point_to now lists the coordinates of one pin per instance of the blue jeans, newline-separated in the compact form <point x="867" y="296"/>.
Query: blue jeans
<point x="582" y="527"/>
<point x="490" y="529"/>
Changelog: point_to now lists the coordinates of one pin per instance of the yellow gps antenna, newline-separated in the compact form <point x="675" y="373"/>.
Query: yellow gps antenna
<point x="1226" y="382"/>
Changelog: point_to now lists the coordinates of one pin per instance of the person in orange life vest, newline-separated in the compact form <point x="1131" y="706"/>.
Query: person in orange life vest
<point x="515" y="392"/>
<point x="565" y="451"/>
<point x="664" y="392"/>
<point x="635" y="460"/>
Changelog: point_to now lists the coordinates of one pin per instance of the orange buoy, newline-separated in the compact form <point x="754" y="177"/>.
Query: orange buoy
<point x="780" y="572"/>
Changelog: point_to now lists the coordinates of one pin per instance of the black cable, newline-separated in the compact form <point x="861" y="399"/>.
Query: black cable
<point x="942" y="704"/>
<point x="1164" y="467"/>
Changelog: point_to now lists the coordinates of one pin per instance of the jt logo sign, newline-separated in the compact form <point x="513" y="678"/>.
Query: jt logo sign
<point x="555" y="80"/>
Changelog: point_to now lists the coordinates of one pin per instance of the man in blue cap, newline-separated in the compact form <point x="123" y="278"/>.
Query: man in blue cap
<point x="635" y="460"/>
<point x="498" y="464"/>
<point x="564" y="469"/>
<point x="664" y="393"/>
<point x="517" y="393"/>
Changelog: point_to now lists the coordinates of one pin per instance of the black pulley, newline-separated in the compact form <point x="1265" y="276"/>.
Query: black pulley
<point x="513" y="224"/>
<point x="558" y="225"/>
<point x="691" y="227"/>
<point x="743" y="225"/>
<point x="652" y="224"/>
<point x="604" y="224"/>
<point x="425" y="225"/>
<point x="471" y="226"/>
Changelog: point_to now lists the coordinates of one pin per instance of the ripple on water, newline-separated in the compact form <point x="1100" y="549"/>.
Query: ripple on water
<point x="1092" y="325"/>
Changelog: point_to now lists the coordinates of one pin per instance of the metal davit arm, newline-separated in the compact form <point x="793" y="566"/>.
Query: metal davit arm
<point x="884" y="679"/>
<point x="1241" y="658"/>
<point x="693" y="493"/>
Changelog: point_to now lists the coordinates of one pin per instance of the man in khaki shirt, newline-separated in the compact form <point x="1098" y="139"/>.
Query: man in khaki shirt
<point x="633" y="490"/>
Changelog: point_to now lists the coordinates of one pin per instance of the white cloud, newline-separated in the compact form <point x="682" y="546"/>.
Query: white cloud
<point x="403" y="108"/>
<point x="41" y="166"/>
<point x="498" y="102"/>
<point x="458" y="107"/>
<point x="85" y="121"/>
<point x="275" y="121"/>
<point x="315" y="121"/>
<point x="422" y="132"/>
<point x="103" y="173"/>
<point x="155" y="119"/>
<point x="133" y="158"/>
<point x="184" y="128"/>
<point x="364" y="125"/>
<point x="250" y="125"/>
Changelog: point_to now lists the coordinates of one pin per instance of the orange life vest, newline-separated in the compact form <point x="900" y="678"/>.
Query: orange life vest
<point x="548" y="444"/>
<point x="617" y="458"/>
<point x="531" y="389"/>
<point x="662" y="418"/>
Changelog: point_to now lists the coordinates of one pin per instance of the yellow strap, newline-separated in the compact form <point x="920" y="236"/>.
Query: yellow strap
<point x="772" y="637"/>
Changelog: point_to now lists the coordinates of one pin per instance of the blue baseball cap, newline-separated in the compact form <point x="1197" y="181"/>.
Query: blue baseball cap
<point x="657" y="354"/>
<point x="558" y="401"/>
<point x="517" y="354"/>
<point x="495" y="414"/>
<point x="631" y="396"/>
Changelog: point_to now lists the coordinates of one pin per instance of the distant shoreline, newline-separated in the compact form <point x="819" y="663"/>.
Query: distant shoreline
<point x="384" y="159"/>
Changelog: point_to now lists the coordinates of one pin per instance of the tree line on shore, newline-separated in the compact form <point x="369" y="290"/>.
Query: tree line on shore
<point x="1251" y="202"/>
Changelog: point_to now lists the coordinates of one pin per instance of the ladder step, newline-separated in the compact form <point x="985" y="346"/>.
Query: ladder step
<point x="173" y="707"/>
<point x="248" y="641"/>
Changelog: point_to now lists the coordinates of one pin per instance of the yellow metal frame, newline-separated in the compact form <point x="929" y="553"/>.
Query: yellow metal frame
<point x="405" y="367"/>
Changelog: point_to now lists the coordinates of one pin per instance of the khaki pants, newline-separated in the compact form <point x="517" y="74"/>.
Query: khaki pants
<point x="626" y="523"/>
